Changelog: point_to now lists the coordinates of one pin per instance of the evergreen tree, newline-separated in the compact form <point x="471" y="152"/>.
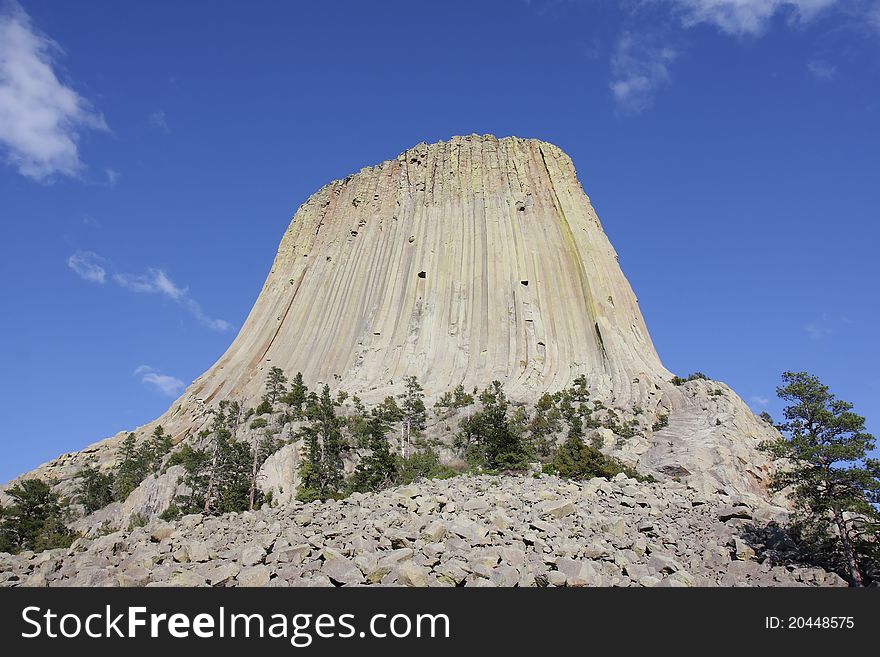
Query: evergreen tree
<point x="195" y="463"/>
<point x="834" y="485"/>
<point x="261" y="449"/>
<point x="95" y="489"/>
<point x="546" y="422"/>
<point x="321" y="472"/>
<point x="233" y="476"/>
<point x="389" y="411"/>
<point x="491" y="438"/>
<point x="132" y="467"/>
<point x="458" y="398"/>
<point x="35" y="520"/>
<point x="275" y="385"/>
<point x="575" y="459"/>
<point x="378" y="469"/>
<point x="413" y="410"/>
<point x="219" y="435"/>
<point x="296" y="397"/>
<point x="333" y="443"/>
<point x="234" y="411"/>
<point x="159" y="447"/>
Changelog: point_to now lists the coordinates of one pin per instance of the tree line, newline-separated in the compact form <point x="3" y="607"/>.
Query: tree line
<point x="827" y="468"/>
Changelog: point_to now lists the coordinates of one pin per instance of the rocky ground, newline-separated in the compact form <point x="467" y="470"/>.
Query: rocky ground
<point x="465" y="531"/>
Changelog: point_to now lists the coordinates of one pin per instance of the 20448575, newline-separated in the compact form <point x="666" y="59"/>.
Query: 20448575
<point x="809" y="622"/>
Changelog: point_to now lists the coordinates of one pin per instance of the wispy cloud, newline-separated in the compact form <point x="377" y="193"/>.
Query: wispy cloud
<point x="160" y="121"/>
<point x="819" y="329"/>
<point x="641" y="64"/>
<point x="828" y="325"/>
<point x="92" y="267"/>
<point x="639" y="68"/>
<point x="873" y="17"/>
<point x="759" y="401"/>
<point x="41" y="118"/>
<point x="170" y="386"/>
<point x="155" y="281"/>
<point x="821" y="70"/>
<point x="745" y="17"/>
<point x="88" y="266"/>
<point x="112" y="176"/>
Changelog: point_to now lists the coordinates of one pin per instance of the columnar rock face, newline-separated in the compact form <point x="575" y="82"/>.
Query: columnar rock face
<point x="464" y="262"/>
<point x="460" y="262"/>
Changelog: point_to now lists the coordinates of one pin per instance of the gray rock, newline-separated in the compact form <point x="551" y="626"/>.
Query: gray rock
<point x="253" y="576"/>
<point x="409" y="574"/>
<point x="342" y="571"/>
<point x="473" y="532"/>
<point x="252" y="554"/>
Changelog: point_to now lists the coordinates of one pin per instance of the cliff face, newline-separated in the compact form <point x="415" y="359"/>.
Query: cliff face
<point x="464" y="262"/>
<point x="460" y="263"/>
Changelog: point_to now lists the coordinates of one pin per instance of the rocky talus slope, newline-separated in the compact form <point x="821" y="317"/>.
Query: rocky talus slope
<point x="465" y="531"/>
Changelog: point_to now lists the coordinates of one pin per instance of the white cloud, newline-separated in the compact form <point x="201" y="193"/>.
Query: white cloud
<point x="874" y="17"/>
<point x="757" y="400"/>
<point x="155" y="281"/>
<point x="821" y="70"/>
<point x="818" y="330"/>
<point x="745" y="17"/>
<point x="160" y="121"/>
<point x="41" y="118"/>
<point x="87" y="266"/>
<point x="639" y="68"/>
<point x="112" y="176"/>
<point x="195" y="309"/>
<point x="170" y="386"/>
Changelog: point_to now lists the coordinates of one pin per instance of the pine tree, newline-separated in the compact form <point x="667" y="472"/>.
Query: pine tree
<point x="219" y="435"/>
<point x="546" y="422"/>
<point x="95" y="489"/>
<point x="331" y="437"/>
<point x="834" y="485"/>
<point x="378" y="469"/>
<point x="321" y="472"/>
<point x="492" y="438"/>
<point x="413" y="409"/>
<point x="159" y="446"/>
<point x="275" y="385"/>
<point x="132" y="467"/>
<point x="261" y="449"/>
<point x="233" y="476"/>
<point x="195" y="462"/>
<point x="297" y="395"/>
<point x="35" y="520"/>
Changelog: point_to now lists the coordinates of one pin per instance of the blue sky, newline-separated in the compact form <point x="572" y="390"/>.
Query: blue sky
<point x="153" y="154"/>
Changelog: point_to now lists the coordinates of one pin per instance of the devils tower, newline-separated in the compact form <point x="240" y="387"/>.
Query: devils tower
<point x="458" y="262"/>
<point x="461" y="263"/>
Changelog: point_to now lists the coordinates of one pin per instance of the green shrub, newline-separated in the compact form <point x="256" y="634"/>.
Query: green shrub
<point x="95" y="489"/>
<point x="494" y="439"/>
<point x="677" y="380"/>
<point x="662" y="421"/>
<point x="173" y="512"/>
<point x="35" y="520"/>
<point x="577" y="460"/>
<point x="136" y="520"/>
<point x="424" y="464"/>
